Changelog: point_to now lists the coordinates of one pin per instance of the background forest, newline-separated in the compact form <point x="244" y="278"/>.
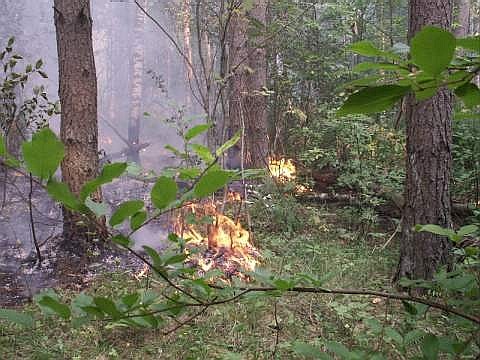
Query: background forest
<point x="240" y="179"/>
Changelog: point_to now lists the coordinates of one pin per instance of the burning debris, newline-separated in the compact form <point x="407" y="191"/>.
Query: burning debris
<point x="225" y="243"/>
<point x="284" y="170"/>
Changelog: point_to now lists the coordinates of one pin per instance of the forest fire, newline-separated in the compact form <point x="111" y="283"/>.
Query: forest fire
<point x="224" y="243"/>
<point x="282" y="169"/>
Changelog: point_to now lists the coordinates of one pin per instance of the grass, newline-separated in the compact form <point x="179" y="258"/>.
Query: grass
<point x="258" y="327"/>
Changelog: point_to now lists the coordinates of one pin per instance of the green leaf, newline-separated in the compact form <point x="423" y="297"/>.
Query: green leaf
<point x="57" y="307"/>
<point x="470" y="43"/>
<point x="196" y="130"/>
<point x="43" y="153"/>
<point x="430" y="347"/>
<point x="122" y="240"/>
<point x="98" y="208"/>
<point x="108" y="307"/>
<point x="435" y="229"/>
<point x="131" y="299"/>
<point x="373" y="99"/>
<point x="189" y="173"/>
<point x="109" y="173"/>
<point x="19" y="318"/>
<point x="164" y="192"/>
<point x="470" y="94"/>
<point x="394" y="335"/>
<point x="338" y="349"/>
<point x="203" y="153"/>
<point x="309" y="351"/>
<point x="125" y="210"/>
<point x="432" y="49"/>
<point x="39" y="64"/>
<point x="211" y="182"/>
<point x="467" y="230"/>
<point x="153" y="254"/>
<point x="3" y="148"/>
<point x="228" y="144"/>
<point x="365" y="66"/>
<point x="60" y="192"/>
<point x="137" y="220"/>
<point x="175" y="259"/>
<point x="366" y="48"/>
<point x="412" y="310"/>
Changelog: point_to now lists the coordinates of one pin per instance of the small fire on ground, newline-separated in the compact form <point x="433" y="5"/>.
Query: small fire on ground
<point x="284" y="170"/>
<point x="222" y="242"/>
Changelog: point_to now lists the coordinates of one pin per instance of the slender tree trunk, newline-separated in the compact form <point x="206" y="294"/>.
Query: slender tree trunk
<point x="429" y="162"/>
<point x="462" y="12"/>
<point x="78" y="129"/>
<point x="247" y="105"/>
<point x="134" y="123"/>
<point x="187" y="47"/>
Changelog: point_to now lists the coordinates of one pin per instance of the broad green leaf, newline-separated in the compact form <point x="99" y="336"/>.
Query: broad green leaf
<point x="309" y="351"/>
<point x="153" y="254"/>
<point x="338" y="349"/>
<point x="430" y="347"/>
<point x="470" y="43"/>
<point x="164" y="192"/>
<point x="366" y="48"/>
<point x="394" y="335"/>
<point x="60" y="309"/>
<point x="16" y="317"/>
<point x="108" y="307"/>
<point x="365" y="66"/>
<point x="211" y="182"/>
<point x="189" y="173"/>
<point x="467" y="230"/>
<point x="435" y="229"/>
<point x="43" y="153"/>
<point x="131" y="299"/>
<point x="203" y="153"/>
<point x="98" y="208"/>
<point x="60" y="192"/>
<point x="412" y="310"/>
<point x="228" y="144"/>
<point x="373" y="99"/>
<point x="470" y="94"/>
<point x="125" y="210"/>
<point x="108" y="174"/>
<point x="175" y="151"/>
<point x="432" y="49"/>
<point x="175" y="259"/>
<point x="137" y="220"/>
<point x="121" y="240"/>
<point x="196" y="130"/>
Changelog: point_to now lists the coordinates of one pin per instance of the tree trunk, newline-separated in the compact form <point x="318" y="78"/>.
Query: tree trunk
<point x="78" y="129"/>
<point x="247" y="103"/>
<point x="134" y="123"/>
<point x="429" y="162"/>
<point x="462" y="11"/>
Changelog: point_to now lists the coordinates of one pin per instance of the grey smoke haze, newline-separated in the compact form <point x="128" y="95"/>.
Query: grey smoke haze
<point x="163" y="85"/>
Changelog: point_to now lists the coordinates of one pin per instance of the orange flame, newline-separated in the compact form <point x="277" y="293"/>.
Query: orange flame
<point x="222" y="236"/>
<point x="282" y="169"/>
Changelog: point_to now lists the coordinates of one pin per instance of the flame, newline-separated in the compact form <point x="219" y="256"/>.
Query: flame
<point x="227" y="243"/>
<point x="282" y="169"/>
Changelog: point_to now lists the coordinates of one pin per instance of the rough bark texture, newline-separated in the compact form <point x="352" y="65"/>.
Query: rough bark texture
<point x="429" y="162"/>
<point x="462" y="18"/>
<point x="78" y="97"/>
<point x="247" y="104"/>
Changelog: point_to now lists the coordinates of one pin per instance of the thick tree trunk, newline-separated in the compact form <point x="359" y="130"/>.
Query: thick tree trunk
<point x="247" y="103"/>
<point x="134" y="123"/>
<point x="429" y="162"/>
<point x="78" y="129"/>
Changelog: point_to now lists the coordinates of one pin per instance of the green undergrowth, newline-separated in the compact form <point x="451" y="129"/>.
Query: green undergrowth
<point x="257" y="327"/>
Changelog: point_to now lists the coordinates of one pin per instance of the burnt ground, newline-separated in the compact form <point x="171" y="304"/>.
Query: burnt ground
<point x="21" y="276"/>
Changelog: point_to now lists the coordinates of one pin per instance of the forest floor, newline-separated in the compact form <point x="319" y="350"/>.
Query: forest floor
<point x="294" y="238"/>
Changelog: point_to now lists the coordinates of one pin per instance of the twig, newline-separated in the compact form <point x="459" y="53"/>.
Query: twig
<point x="32" y="223"/>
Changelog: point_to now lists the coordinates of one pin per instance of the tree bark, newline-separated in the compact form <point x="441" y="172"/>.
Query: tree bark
<point x="247" y="103"/>
<point x="134" y="123"/>
<point x="462" y="12"/>
<point x="78" y="128"/>
<point x="429" y="162"/>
